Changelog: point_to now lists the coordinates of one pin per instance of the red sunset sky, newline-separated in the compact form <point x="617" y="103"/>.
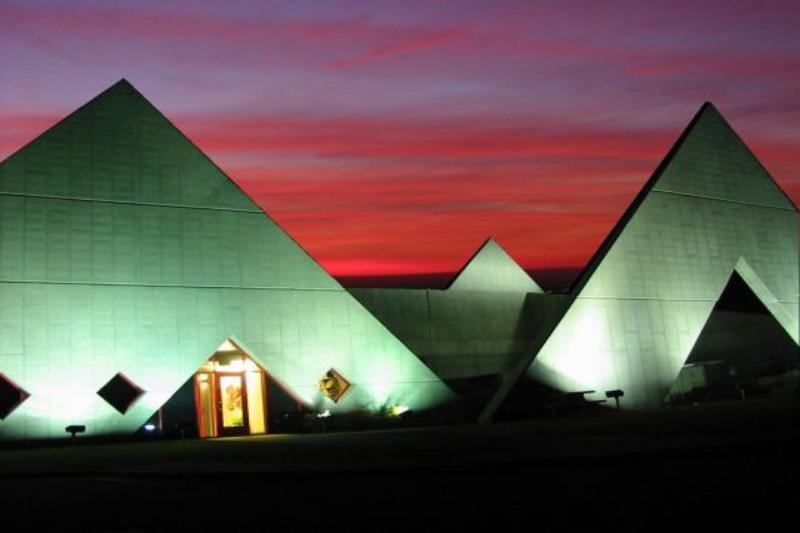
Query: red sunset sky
<point x="391" y="138"/>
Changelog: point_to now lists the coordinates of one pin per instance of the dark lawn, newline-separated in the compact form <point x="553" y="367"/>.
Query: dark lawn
<point x="732" y="464"/>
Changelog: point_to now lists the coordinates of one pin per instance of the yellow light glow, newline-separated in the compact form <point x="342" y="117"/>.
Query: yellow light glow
<point x="397" y="410"/>
<point x="255" y="403"/>
<point x="237" y="365"/>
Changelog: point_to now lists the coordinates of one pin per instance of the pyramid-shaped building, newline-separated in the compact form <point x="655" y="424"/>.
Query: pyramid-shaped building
<point x="137" y="280"/>
<point x="710" y="215"/>
<point x="130" y="263"/>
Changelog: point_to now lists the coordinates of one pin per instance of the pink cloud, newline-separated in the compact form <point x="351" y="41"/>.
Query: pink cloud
<point x="416" y="44"/>
<point x="406" y="138"/>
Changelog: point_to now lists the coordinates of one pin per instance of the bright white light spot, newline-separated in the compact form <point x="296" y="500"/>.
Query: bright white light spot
<point x="149" y="427"/>
<point x="325" y="414"/>
<point x="578" y="354"/>
<point x="227" y="346"/>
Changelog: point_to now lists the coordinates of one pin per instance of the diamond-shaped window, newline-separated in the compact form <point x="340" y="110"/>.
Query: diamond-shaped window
<point x="334" y="385"/>
<point x="11" y="396"/>
<point x="120" y="392"/>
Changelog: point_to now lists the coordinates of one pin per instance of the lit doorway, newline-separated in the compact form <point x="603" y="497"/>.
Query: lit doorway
<point x="230" y="394"/>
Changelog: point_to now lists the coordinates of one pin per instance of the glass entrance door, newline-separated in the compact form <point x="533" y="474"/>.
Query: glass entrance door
<point x="230" y="392"/>
<point x="232" y="404"/>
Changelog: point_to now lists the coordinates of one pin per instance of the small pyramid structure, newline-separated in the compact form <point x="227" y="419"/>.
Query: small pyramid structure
<point x="125" y="251"/>
<point x="709" y="209"/>
<point x="492" y="269"/>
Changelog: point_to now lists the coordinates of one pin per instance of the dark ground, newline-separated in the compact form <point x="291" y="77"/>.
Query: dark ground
<point x="712" y="467"/>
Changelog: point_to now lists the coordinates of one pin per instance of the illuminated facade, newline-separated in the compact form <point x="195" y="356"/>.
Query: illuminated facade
<point x="473" y="330"/>
<point x="699" y="277"/>
<point x="134" y="272"/>
<point x="130" y="263"/>
<point x="710" y="222"/>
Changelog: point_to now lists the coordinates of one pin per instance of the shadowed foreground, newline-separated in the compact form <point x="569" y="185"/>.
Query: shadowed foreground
<point x="713" y="464"/>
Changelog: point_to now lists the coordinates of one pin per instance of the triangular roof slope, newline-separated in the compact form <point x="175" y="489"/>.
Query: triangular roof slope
<point x="125" y="250"/>
<point x="714" y="162"/>
<point x="111" y="149"/>
<point x="492" y="269"/>
<point x="706" y="174"/>
<point x="640" y="304"/>
<point x="119" y="150"/>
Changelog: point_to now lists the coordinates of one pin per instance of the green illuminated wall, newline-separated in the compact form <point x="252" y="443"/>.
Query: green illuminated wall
<point x="638" y="309"/>
<point x="476" y="327"/>
<point x="124" y="249"/>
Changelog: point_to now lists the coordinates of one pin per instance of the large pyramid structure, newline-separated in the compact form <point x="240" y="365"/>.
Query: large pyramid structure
<point x="123" y="249"/>
<point x="709" y="210"/>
